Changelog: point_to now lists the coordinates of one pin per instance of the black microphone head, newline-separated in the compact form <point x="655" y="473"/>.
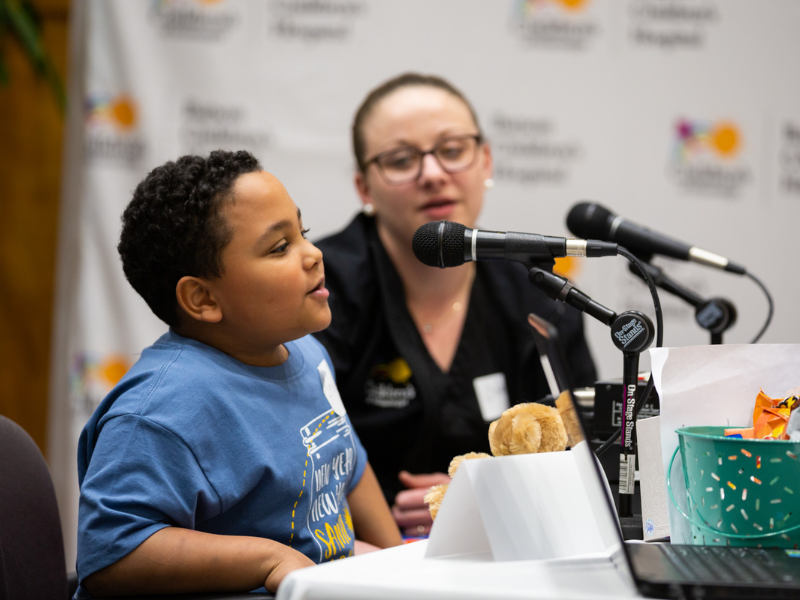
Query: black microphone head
<point x="589" y="220"/>
<point x="425" y="244"/>
<point x="439" y="244"/>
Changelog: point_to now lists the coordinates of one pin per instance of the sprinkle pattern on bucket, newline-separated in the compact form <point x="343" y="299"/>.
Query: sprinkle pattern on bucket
<point x="761" y="477"/>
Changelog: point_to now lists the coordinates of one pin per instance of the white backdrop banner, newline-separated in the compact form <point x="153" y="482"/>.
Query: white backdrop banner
<point x="683" y="115"/>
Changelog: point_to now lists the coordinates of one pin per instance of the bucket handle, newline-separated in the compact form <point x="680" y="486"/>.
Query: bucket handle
<point x="738" y="536"/>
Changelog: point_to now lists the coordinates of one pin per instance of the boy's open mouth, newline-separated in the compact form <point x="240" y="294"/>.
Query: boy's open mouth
<point x="319" y="286"/>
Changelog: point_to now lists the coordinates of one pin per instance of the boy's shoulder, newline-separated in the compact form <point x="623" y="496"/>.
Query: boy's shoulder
<point x="182" y="370"/>
<point x="172" y="362"/>
<point x="178" y="382"/>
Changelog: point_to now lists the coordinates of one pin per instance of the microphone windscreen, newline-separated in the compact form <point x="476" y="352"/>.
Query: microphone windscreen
<point x="589" y="220"/>
<point x="439" y="244"/>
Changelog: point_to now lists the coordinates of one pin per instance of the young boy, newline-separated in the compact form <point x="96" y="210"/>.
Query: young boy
<point x="224" y="459"/>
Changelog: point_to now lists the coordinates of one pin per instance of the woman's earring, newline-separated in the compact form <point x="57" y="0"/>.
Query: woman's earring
<point x="488" y="183"/>
<point x="368" y="209"/>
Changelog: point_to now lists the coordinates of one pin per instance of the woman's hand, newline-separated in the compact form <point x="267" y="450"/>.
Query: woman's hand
<point x="409" y="509"/>
<point x="360" y="548"/>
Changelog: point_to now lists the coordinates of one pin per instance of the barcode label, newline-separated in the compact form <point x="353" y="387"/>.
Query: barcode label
<point x="627" y="473"/>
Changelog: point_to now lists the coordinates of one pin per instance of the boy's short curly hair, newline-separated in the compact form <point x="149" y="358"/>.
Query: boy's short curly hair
<point x="173" y="226"/>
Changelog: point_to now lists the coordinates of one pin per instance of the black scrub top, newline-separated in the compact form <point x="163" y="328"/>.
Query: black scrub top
<point x="409" y="414"/>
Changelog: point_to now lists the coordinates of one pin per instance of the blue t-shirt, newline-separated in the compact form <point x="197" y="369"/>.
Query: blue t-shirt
<point x="194" y="438"/>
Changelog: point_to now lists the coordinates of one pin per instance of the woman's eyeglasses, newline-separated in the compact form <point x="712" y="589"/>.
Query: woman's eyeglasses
<point x="404" y="164"/>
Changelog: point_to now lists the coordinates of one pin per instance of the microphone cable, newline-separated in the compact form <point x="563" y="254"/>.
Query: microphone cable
<point x="653" y="291"/>
<point x="648" y="389"/>
<point x="769" y="302"/>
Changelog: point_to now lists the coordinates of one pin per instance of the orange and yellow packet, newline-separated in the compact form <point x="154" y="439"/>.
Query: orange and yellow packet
<point x="770" y="416"/>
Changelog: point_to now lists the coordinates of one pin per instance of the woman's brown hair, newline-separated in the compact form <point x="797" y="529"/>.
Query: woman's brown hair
<point x="383" y="90"/>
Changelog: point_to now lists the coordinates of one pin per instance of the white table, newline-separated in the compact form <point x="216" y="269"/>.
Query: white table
<point x="529" y="526"/>
<point x="404" y="572"/>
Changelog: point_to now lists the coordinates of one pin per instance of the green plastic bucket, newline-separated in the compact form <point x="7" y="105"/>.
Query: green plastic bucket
<point x="739" y="492"/>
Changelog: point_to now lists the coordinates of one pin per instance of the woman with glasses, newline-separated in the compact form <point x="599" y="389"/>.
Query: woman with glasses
<point x="426" y="358"/>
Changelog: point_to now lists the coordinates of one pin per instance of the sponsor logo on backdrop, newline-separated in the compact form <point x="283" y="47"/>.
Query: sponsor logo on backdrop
<point x="530" y="151"/>
<point x="203" y="20"/>
<point x="91" y="377"/>
<point x="314" y="20"/>
<point x="554" y="24"/>
<point x="207" y="126"/>
<point x="671" y="24"/>
<point x="706" y="158"/>
<point x="112" y="129"/>
<point x="789" y="159"/>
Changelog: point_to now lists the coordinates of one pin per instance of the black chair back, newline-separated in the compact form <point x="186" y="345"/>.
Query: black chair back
<point x="32" y="561"/>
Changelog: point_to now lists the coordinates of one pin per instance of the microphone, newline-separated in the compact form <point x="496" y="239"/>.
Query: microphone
<point x="447" y="244"/>
<point x="589" y="219"/>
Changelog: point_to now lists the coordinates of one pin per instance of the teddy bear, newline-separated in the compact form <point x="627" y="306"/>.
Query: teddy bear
<point x="526" y="428"/>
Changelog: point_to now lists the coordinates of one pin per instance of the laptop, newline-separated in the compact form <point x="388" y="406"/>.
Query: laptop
<point x="672" y="570"/>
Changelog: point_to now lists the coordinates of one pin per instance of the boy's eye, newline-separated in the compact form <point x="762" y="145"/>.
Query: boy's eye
<point x="285" y="245"/>
<point x="280" y="249"/>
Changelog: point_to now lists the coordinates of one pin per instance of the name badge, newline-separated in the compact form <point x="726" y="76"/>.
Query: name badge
<point x="492" y="395"/>
<point x="329" y="388"/>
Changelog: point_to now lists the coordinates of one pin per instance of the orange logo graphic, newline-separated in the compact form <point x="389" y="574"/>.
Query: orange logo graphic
<point x="526" y="7"/>
<point x="157" y="4"/>
<point x="693" y="138"/>
<point x="98" y="374"/>
<point x="119" y="111"/>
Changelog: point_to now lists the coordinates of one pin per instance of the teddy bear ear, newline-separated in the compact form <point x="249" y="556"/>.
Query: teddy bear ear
<point x="570" y="418"/>
<point x="526" y="435"/>
<point x="527" y="428"/>
<point x="456" y="462"/>
<point x="434" y="497"/>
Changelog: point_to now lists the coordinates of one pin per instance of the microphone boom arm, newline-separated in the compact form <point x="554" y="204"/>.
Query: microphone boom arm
<point x="560" y="289"/>
<point x="715" y="315"/>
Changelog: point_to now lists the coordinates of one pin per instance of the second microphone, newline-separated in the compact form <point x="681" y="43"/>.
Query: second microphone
<point x="446" y="244"/>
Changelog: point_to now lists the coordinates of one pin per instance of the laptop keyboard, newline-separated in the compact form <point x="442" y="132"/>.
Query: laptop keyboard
<point x="728" y="564"/>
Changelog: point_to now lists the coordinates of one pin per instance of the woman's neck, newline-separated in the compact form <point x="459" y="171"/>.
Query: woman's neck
<point x="437" y="299"/>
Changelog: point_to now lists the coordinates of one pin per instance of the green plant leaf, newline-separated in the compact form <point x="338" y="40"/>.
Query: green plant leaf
<point x="27" y="33"/>
<point x="57" y="86"/>
<point x="20" y="21"/>
<point x="33" y="15"/>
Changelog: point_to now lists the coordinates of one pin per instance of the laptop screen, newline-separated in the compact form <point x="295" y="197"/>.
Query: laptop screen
<point x="545" y="336"/>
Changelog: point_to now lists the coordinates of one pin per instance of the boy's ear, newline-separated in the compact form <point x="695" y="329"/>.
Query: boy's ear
<point x="196" y="299"/>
